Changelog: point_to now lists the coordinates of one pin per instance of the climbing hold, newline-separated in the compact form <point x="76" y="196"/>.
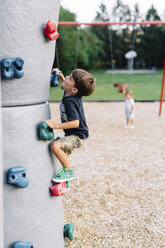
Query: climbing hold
<point x="17" y="176"/>
<point x="58" y="189"/>
<point x="57" y="138"/>
<point x="45" y="132"/>
<point x="67" y="185"/>
<point x="51" y="30"/>
<point x="12" y="68"/>
<point x="121" y="87"/>
<point x="68" y="231"/>
<point x="20" y="244"/>
<point x="18" y="70"/>
<point x="54" y="78"/>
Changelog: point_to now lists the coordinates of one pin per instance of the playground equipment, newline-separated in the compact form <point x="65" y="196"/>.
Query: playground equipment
<point x="32" y="218"/>
<point x="121" y="86"/>
<point x="110" y="23"/>
<point x="12" y="68"/>
<point x="56" y="74"/>
<point x="130" y="59"/>
<point x="68" y="231"/>
<point x="45" y="132"/>
<point x="17" y="176"/>
<point x="51" y="30"/>
<point x="1" y="178"/>
<point x="54" y="78"/>
<point x="20" y="244"/>
<point x="58" y="189"/>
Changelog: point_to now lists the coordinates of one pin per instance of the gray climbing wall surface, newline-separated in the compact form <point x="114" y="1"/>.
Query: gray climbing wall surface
<point x="31" y="214"/>
<point x="21" y="34"/>
<point x="1" y="179"/>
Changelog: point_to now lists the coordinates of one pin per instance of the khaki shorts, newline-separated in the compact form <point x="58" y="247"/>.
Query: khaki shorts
<point x="69" y="143"/>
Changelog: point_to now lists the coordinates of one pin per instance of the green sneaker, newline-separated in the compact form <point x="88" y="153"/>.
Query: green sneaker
<point x="64" y="175"/>
<point x="60" y="172"/>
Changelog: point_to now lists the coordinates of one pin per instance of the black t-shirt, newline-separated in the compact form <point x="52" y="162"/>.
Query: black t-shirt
<point x="71" y="108"/>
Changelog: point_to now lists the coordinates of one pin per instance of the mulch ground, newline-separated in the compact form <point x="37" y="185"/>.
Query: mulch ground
<point x="118" y="197"/>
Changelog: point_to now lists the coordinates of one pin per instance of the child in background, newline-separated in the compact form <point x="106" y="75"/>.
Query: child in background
<point x="79" y="83"/>
<point x="129" y="109"/>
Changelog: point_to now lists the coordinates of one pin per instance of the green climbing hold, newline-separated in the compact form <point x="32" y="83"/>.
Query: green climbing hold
<point x="45" y="132"/>
<point x="68" y="231"/>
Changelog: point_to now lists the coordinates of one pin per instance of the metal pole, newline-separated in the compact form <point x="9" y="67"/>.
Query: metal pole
<point x="109" y="23"/>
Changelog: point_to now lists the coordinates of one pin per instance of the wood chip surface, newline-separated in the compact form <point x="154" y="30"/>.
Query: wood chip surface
<point x="118" y="197"/>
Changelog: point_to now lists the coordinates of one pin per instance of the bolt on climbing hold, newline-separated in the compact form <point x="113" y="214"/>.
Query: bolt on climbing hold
<point x="58" y="189"/>
<point x="45" y="132"/>
<point x="20" y="244"/>
<point x="68" y="231"/>
<point x="54" y="78"/>
<point x="12" y="68"/>
<point x="51" y="30"/>
<point x="17" y="176"/>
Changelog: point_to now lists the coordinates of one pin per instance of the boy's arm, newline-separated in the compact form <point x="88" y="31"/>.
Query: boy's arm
<point x="132" y="108"/>
<point x="65" y="125"/>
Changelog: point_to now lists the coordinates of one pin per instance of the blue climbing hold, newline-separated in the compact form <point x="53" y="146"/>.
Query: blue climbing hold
<point x="57" y="138"/>
<point x="20" y="244"/>
<point x="12" y="68"/>
<point x="17" y="176"/>
<point x="54" y="78"/>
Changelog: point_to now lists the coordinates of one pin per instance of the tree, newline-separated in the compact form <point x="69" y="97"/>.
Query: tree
<point x="121" y="12"/>
<point x="151" y="48"/>
<point x="103" y="34"/>
<point x="65" y="44"/>
<point x="75" y="46"/>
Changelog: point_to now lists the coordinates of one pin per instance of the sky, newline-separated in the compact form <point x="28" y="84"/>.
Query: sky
<point x="85" y="10"/>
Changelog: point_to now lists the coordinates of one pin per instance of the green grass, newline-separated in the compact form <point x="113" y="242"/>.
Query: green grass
<point x="144" y="86"/>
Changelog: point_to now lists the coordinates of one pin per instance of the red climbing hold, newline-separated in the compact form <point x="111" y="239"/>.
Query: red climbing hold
<point x="51" y="30"/>
<point x="58" y="189"/>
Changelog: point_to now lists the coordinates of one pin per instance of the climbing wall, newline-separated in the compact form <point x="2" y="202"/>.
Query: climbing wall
<point x="31" y="215"/>
<point x="1" y="179"/>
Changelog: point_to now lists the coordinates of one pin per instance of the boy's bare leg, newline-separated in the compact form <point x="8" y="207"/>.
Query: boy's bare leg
<point x="131" y="122"/>
<point x="127" y="121"/>
<point x="59" y="153"/>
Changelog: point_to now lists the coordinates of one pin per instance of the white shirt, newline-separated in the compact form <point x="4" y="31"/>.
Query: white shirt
<point x="129" y="103"/>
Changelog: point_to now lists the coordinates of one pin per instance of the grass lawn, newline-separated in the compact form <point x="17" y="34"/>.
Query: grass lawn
<point x="144" y="86"/>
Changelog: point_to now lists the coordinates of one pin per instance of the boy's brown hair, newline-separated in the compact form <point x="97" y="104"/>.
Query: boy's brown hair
<point x="84" y="82"/>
